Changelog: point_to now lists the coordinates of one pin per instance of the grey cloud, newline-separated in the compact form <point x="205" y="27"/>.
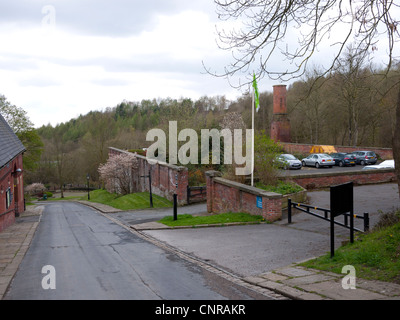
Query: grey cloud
<point x="97" y="17"/>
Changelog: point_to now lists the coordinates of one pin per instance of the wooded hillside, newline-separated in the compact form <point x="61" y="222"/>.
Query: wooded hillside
<point x="353" y="106"/>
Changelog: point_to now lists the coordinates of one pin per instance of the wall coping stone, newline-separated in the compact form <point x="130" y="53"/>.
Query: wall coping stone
<point x="153" y="161"/>
<point x="343" y="173"/>
<point x="248" y="189"/>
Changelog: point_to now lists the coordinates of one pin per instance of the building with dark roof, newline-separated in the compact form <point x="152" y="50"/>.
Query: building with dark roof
<point x="11" y="175"/>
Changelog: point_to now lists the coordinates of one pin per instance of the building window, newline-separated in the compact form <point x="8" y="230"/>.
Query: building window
<point x="8" y="198"/>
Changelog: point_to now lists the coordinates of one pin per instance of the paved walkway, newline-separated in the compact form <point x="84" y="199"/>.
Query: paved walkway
<point x="300" y="283"/>
<point x="14" y="242"/>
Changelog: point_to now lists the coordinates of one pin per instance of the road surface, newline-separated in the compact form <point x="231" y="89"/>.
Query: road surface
<point x="88" y="256"/>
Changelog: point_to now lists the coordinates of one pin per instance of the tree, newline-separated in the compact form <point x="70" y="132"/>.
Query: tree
<point x="21" y="125"/>
<point x="266" y="25"/>
<point x="352" y="77"/>
<point x="117" y="173"/>
<point x="16" y="117"/>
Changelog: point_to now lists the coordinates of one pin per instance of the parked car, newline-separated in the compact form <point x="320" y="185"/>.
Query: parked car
<point x="344" y="159"/>
<point x="288" y="161"/>
<point x="365" y="157"/>
<point x="388" y="164"/>
<point x="318" y="160"/>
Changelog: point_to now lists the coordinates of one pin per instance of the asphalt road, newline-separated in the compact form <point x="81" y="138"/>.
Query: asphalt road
<point x="95" y="258"/>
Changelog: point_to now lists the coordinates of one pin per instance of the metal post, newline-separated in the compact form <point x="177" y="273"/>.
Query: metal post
<point x="332" y="235"/>
<point x="351" y="227"/>
<point x="88" y="191"/>
<point x="176" y="198"/>
<point x="366" y="222"/>
<point x="151" y="194"/>
<point x="289" y="211"/>
<point x="175" y="207"/>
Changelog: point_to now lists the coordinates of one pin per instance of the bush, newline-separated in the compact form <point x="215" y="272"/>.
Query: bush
<point x="387" y="219"/>
<point x="265" y="152"/>
<point x="35" y="189"/>
<point x="196" y="177"/>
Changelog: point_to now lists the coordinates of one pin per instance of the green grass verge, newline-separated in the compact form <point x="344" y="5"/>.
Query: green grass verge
<point x="375" y="256"/>
<point x="223" y="218"/>
<point x="134" y="201"/>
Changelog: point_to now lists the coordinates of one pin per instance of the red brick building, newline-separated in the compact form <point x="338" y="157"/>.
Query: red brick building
<point x="11" y="175"/>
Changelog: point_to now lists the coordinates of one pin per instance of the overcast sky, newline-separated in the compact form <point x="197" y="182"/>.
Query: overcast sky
<point x="63" y="58"/>
<point x="60" y="59"/>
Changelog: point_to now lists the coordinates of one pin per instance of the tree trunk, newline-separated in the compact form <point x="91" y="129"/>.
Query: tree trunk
<point x="396" y="141"/>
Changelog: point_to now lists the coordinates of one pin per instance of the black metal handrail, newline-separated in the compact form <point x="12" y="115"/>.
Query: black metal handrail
<point x="300" y="206"/>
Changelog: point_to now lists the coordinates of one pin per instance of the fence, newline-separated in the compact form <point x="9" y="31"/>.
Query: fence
<point x="196" y="194"/>
<point x="306" y="208"/>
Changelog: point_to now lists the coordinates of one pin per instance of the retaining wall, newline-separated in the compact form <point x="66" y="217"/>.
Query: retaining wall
<point x="164" y="177"/>
<point x="323" y="180"/>
<point x="228" y="196"/>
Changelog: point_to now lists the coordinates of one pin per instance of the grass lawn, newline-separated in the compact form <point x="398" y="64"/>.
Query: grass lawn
<point x="140" y="200"/>
<point x="375" y="256"/>
<point x="223" y="218"/>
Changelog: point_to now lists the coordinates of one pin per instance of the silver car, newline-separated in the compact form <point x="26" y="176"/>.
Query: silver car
<point x="288" y="161"/>
<point x="318" y="160"/>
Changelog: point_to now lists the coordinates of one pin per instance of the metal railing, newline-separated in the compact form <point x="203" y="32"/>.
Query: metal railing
<point x="326" y="215"/>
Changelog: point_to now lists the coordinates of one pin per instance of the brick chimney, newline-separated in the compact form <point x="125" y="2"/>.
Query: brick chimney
<point x="280" y="126"/>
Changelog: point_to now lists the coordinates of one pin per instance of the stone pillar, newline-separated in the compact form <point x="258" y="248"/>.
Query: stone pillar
<point x="210" y="188"/>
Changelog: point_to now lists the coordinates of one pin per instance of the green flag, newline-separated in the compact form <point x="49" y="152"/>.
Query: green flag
<point x="256" y="97"/>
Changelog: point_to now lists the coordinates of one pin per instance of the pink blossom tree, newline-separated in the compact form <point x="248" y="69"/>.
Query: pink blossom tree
<point x="117" y="173"/>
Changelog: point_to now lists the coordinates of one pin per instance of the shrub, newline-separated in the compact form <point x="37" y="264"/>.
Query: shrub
<point x="35" y="189"/>
<point x="265" y="152"/>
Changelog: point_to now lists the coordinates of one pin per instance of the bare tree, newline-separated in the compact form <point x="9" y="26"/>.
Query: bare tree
<point x="266" y="26"/>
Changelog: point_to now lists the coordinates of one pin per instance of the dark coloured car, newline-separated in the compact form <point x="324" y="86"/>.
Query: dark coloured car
<point x="365" y="157"/>
<point x="344" y="159"/>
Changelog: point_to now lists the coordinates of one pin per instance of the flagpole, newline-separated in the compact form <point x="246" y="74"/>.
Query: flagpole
<point x="252" y="138"/>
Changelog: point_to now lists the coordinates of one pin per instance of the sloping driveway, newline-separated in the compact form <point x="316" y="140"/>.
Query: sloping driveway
<point x="255" y="249"/>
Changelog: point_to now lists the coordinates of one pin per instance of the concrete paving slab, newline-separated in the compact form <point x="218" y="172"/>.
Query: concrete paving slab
<point x="384" y="288"/>
<point x="273" y="276"/>
<point x="294" y="272"/>
<point x="335" y="291"/>
<point x="315" y="278"/>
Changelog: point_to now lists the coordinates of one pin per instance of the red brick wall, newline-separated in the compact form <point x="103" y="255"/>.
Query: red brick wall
<point x="10" y="179"/>
<point x="357" y="177"/>
<point x="228" y="196"/>
<point x="163" y="178"/>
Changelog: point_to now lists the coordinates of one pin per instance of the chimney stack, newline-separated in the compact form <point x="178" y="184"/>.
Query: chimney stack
<point x="280" y="126"/>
